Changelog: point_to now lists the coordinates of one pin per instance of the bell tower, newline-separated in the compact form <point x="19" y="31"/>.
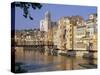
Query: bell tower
<point x="47" y="20"/>
<point x="45" y="24"/>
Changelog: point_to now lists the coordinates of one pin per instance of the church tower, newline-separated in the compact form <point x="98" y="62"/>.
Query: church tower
<point x="45" y="24"/>
<point x="47" y="21"/>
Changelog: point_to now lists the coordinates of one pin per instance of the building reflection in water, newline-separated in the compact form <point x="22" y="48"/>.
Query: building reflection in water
<point x="48" y="62"/>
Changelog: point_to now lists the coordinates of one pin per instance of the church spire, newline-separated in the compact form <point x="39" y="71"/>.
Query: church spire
<point x="47" y="16"/>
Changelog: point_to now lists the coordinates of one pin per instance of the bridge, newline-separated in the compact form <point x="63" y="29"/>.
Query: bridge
<point x="34" y="44"/>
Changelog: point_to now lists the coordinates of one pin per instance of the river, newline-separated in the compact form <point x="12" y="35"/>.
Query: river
<point x="34" y="61"/>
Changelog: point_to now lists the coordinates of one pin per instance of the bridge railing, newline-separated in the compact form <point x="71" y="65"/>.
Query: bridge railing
<point x="35" y="43"/>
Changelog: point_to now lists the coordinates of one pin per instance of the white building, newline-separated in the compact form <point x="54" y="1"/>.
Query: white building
<point x="92" y="31"/>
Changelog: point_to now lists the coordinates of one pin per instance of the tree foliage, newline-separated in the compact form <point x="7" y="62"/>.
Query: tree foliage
<point x="25" y="7"/>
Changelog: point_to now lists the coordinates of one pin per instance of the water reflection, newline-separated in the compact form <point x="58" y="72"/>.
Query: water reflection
<point x="35" y="61"/>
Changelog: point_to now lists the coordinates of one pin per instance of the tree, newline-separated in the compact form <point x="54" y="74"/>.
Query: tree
<point x="25" y="7"/>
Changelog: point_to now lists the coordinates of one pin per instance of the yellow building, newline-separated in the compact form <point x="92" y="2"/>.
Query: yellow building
<point x="66" y="33"/>
<point x="80" y="43"/>
<point x="61" y="34"/>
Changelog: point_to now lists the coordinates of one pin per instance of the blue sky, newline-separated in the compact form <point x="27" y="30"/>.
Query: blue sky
<point x="56" y="11"/>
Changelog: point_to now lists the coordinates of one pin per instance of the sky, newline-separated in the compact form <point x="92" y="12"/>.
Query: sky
<point x="56" y="11"/>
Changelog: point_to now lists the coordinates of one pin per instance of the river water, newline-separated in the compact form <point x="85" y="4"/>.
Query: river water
<point x="34" y="61"/>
